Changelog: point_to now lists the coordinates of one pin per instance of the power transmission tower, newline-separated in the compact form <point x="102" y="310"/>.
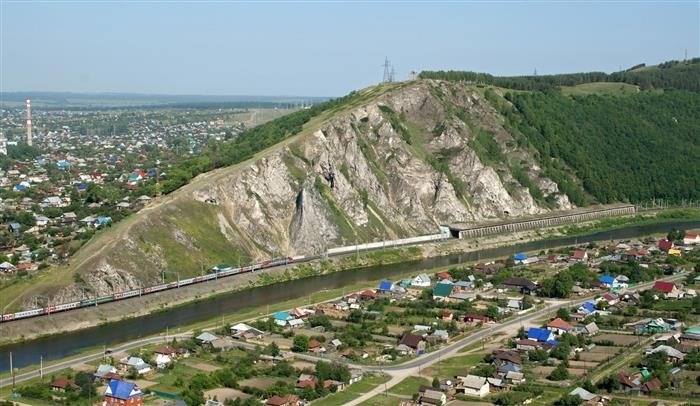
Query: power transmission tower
<point x="387" y="71"/>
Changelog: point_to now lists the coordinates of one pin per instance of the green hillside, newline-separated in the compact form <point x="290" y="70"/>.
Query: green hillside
<point x="622" y="148"/>
<point x="668" y="75"/>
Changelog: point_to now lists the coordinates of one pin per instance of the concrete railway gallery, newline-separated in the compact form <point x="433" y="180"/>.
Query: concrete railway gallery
<point x="541" y="222"/>
<point x="445" y="233"/>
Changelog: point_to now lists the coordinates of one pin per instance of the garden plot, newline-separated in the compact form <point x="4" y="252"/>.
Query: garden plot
<point x="224" y="394"/>
<point x="617" y="339"/>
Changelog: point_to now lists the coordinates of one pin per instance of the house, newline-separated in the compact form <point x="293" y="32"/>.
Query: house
<point x="330" y="383"/>
<point x="674" y="252"/>
<point x="673" y="354"/>
<point x="245" y="332"/>
<point x="413" y="342"/>
<point x="444" y="276"/>
<point x="527" y="345"/>
<point x="162" y="360"/>
<point x="591" y="329"/>
<point x="166" y="350"/>
<point x="138" y="364"/>
<point x="289" y="400"/>
<point x="521" y="285"/>
<point x="223" y="344"/>
<point x="206" y="338"/>
<point x="368" y="294"/>
<point x="119" y="393"/>
<point x="515" y="304"/>
<point x="432" y="397"/>
<point x="472" y="385"/>
<point x="441" y="335"/>
<point x="541" y="335"/>
<point x="421" y="281"/>
<point x="515" y="377"/>
<point x="104" y="371"/>
<point x="691" y="239"/>
<point x="385" y="286"/>
<point x="628" y="383"/>
<point x="587" y="308"/>
<point x="476" y="318"/>
<point x="609" y="282"/>
<point x="442" y="291"/>
<point x="579" y="255"/>
<point x="587" y="397"/>
<point x="306" y="381"/>
<point x="668" y="289"/>
<point x="63" y="383"/>
<point x="13" y="228"/>
<point x="665" y="245"/>
<point x="650" y="386"/>
<point x="282" y="318"/>
<point x="559" y="326"/>
<point x="7" y="267"/>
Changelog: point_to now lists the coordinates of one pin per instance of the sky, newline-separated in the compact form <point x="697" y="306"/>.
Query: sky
<point x="322" y="48"/>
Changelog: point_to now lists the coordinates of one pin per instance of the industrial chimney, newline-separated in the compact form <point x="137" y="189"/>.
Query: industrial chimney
<point x="29" y="122"/>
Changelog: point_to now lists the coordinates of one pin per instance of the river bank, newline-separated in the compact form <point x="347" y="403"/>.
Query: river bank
<point x="196" y="314"/>
<point x="32" y="328"/>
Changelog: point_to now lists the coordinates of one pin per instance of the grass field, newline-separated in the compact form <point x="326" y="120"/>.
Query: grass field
<point x="353" y="391"/>
<point x="458" y="365"/>
<point x="409" y="386"/>
<point x="600" y="88"/>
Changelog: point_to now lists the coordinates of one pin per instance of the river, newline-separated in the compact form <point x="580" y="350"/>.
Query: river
<point x="66" y="344"/>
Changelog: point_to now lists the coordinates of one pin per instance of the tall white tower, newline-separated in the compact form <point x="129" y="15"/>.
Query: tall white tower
<point x="29" y="122"/>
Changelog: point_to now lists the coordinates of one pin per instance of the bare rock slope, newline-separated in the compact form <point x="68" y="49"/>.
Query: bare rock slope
<point x="399" y="164"/>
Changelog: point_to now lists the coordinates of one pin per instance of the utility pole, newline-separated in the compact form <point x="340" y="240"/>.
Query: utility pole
<point x="12" y="372"/>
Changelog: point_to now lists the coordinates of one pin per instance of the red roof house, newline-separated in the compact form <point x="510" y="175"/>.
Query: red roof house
<point x="579" y="255"/>
<point x="444" y="275"/>
<point x="559" y="325"/>
<point x="665" y="245"/>
<point x="664" y="287"/>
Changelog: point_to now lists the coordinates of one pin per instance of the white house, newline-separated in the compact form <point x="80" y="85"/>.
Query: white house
<point x="691" y="239"/>
<point x="433" y="397"/>
<point x="475" y="385"/>
<point x="138" y="364"/>
<point x="162" y="360"/>
<point x="421" y="281"/>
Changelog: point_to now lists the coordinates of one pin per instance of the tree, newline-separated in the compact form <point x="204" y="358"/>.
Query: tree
<point x="564" y="313"/>
<point x="300" y="343"/>
<point x="559" y="373"/>
<point x="610" y="383"/>
<point x="528" y="302"/>
<point x="436" y="383"/>
<point x="675" y="235"/>
<point x="272" y="349"/>
<point x="569" y="400"/>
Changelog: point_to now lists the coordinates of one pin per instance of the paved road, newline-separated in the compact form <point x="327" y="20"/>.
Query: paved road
<point x="398" y="371"/>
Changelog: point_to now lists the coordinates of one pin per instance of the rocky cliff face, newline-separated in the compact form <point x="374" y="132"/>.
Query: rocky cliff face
<point x="400" y="164"/>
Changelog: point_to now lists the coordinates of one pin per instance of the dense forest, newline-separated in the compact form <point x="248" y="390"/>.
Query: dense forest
<point x="623" y="148"/>
<point x="668" y="75"/>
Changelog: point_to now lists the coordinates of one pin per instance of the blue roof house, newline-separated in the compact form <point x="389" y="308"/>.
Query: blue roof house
<point x="520" y="256"/>
<point x="385" y="286"/>
<point x="63" y="164"/>
<point x="124" y="392"/>
<point x="540" y="334"/>
<point x="607" y="280"/>
<point x="281" y="318"/>
<point x="587" y="308"/>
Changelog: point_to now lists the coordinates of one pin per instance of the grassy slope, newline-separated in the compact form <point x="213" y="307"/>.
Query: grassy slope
<point x="191" y="218"/>
<point x="614" y="88"/>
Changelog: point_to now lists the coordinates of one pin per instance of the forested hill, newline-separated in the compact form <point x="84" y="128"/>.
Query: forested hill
<point x="622" y="148"/>
<point x="668" y="75"/>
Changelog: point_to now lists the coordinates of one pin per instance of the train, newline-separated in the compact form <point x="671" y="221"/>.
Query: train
<point x="215" y="274"/>
<point x="220" y="273"/>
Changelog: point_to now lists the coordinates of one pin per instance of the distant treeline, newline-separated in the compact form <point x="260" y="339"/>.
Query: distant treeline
<point x="632" y="148"/>
<point x="668" y="75"/>
<point x="247" y="144"/>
